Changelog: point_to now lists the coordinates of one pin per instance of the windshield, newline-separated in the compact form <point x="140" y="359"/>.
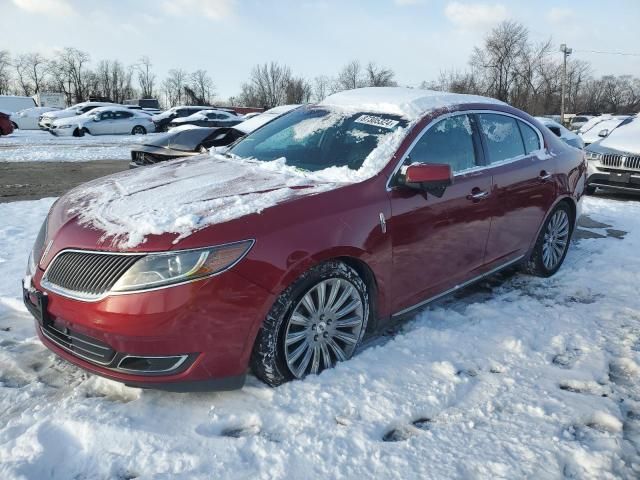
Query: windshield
<point x="314" y="138"/>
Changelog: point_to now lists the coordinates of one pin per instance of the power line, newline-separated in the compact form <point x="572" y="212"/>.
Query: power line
<point x="610" y="53"/>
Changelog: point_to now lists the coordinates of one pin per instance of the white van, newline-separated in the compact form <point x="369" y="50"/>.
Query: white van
<point x="12" y="103"/>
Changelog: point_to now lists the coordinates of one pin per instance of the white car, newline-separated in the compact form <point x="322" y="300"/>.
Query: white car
<point x="113" y="120"/>
<point x="208" y="118"/>
<point x="600" y="127"/>
<point x="47" y="119"/>
<point x="578" y="121"/>
<point x="28" y="119"/>
<point x="565" y="134"/>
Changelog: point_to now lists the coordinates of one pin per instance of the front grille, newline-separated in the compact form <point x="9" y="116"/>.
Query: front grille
<point x="86" y="275"/>
<point x="620" y="162"/>
<point x="81" y="345"/>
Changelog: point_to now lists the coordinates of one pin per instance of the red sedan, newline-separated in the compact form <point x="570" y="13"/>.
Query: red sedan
<point x="6" y="127"/>
<point x="321" y="227"/>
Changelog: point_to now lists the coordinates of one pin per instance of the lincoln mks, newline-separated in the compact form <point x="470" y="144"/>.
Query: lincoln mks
<point x="280" y="254"/>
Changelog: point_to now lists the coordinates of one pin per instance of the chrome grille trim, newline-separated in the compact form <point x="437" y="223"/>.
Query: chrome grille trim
<point x="86" y="275"/>
<point x="72" y="342"/>
<point x="620" y="162"/>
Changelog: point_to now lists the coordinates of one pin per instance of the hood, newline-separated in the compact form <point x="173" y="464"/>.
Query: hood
<point x="625" y="138"/>
<point x="60" y="114"/>
<point x="184" y="140"/>
<point x="67" y="119"/>
<point x="129" y="209"/>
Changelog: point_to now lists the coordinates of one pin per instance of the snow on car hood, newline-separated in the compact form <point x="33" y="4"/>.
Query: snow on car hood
<point x="183" y="196"/>
<point x="626" y="137"/>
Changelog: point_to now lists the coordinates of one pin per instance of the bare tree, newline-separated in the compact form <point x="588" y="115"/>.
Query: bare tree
<point x="267" y="85"/>
<point x="298" y="91"/>
<point x="31" y="69"/>
<point x="146" y="78"/>
<point x="174" y="85"/>
<point x="351" y="76"/>
<point x="379" y="76"/>
<point x="322" y="87"/>
<point x="202" y="86"/>
<point x="70" y="69"/>
<point x="5" y="75"/>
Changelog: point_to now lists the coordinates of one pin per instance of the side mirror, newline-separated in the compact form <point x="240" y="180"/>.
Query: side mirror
<point x="603" y="133"/>
<point x="433" y="178"/>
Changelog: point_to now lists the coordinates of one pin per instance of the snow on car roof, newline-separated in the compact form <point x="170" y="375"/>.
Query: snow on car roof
<point x="256" y="122"/>
<point x="411" y="103"/>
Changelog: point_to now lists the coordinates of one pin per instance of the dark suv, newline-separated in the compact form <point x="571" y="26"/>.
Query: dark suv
<point x="163" y="120"/>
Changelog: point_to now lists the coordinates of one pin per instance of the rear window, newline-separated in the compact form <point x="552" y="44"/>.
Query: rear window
<point x="502" y="137"/>
<point x="529" y="137"/>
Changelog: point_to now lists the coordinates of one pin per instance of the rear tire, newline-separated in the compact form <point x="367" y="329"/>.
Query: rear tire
<point x="139" y="130"/>
<point x="552" y="244"/>
<point x="292" y="346"/>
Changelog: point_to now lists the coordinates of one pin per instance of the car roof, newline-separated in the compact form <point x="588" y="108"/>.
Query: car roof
<point x="411" y="103"/>
<point x="113" y="108"/>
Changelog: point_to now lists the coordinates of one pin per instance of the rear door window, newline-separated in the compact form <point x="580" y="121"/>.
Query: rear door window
<point x="502" y="137"/>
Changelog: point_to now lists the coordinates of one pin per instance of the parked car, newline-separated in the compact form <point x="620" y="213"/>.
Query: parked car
<point x="326" y="224"/>
<point x="105" y="121"/>
<point x="578" y="121"/>
<point x="47" y="119"/>
<point x="614" y="161"/>
<point x="189" y="140"/>
<point x="566" y="135"/>
<point x="208" y="118"/>
<point x="146" y="103"/>
<point x="163" y="119"/>
<point x="6" y="126"/>
<point x="14" y="103"/>
<point x="28" y="119"/>
<point x="600" y="127"/>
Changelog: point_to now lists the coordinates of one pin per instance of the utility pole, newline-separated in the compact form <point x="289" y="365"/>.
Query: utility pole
<point x="565" y="53"/>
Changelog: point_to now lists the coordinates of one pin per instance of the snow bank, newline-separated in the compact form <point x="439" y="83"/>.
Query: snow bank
<point x="41" y="146"/>
<point x="410" y="103"/>
<point x="519" y="377"/>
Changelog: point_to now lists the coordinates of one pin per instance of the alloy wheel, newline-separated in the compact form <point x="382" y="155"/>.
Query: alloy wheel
<point x="324" y="328"/>
<point x="556" y="239"/>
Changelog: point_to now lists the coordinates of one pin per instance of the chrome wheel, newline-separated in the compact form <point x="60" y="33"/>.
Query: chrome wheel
<point x="324" y="328"/>
<point x="138" y="130"/>
<point x="556" y="239"/>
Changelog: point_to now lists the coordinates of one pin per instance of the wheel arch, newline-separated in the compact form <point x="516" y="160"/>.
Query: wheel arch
<point x="573" y="207"/>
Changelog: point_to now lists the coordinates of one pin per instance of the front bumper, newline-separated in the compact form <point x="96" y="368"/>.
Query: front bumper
<point x="210" y="324"/>
<point x="614" y="179"/>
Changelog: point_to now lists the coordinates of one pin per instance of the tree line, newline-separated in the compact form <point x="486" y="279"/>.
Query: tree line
<point x="508" y="66"/>
<point x="511" y="67"/>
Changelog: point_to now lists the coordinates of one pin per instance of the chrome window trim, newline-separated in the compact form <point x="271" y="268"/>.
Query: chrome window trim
<point x="178" y="364"/>
<point x="91" y="299"/>
<point x="457" y="287"/>
<point x="477" y="168"/>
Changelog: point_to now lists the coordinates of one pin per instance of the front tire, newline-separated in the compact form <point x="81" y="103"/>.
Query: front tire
<point x="552" y="244"/>
<point x="317" y="321"/>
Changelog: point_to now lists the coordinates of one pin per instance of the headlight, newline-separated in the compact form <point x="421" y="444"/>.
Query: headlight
<point x="593" y="156"/>
<point x="38" y="249"/>
<point x="162" y="269"/>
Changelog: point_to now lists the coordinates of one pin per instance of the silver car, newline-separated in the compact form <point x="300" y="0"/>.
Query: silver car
<point x="105" y="121"/>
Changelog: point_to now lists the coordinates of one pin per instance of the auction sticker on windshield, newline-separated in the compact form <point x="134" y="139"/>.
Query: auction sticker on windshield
<point x="377" y="121"/>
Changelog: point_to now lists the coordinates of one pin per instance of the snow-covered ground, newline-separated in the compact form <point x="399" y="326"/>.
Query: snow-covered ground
<point x="520" y="377"/>
<point x="44" y="147"/>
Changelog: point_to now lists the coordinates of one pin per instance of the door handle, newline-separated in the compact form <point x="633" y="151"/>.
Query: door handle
<point x="544" y="176"/>
<point x="476" y="195"/>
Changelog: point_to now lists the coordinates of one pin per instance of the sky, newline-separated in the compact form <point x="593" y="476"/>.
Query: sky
<point x="416" y="38"/>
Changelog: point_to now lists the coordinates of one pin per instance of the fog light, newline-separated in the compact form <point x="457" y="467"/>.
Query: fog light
<point x="143" y="364"/>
